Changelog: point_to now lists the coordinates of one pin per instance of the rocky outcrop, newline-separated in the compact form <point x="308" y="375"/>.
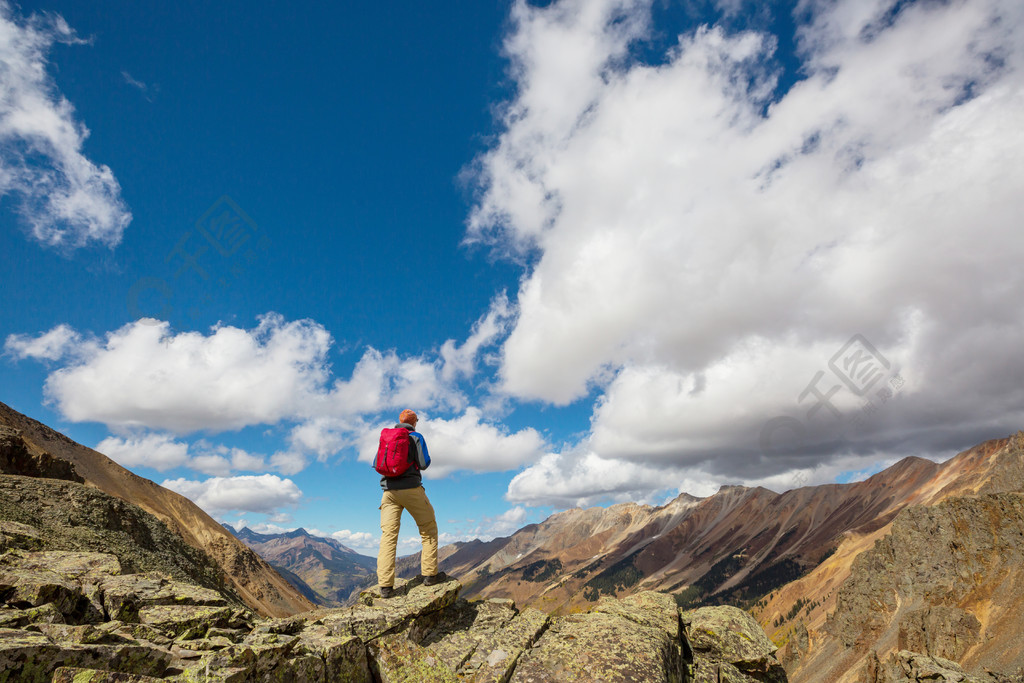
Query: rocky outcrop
<point x="55" y="455"/>
<point x="66" y="516"/>
<point x="939" y="631"/>
<point x="74" y="616"/>
<point x="728" y="644"/>
<point x="16" y="457"/>
<point x="934" y="556"/>
<point x="905" y="666"/>
<point x="636" y="639"/>
<point x="945" y="586"/>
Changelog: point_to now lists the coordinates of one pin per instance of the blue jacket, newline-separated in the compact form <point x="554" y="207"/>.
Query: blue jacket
<point x="419" y="459"/>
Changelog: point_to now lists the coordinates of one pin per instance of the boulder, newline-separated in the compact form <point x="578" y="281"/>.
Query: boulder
<point x="71" y="674"/>
<point x="18" y="618"/>
<point x="73" y="565"/>
<point x="729" y="644"/>
<point x="23" y="587"/>
<point x="905" y="666"/>
<point x="32" y="657"/>
<point x="636" y="640"/>
<point x="374" y="616"/>
<point x="17" y="535"/>
<point x="176" y="620"/>
<point x="18" y="457"/>
<point x="344" y="657"/>
<point x="479" y="641"/>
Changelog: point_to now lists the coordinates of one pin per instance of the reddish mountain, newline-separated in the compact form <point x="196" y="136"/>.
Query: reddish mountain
<point x="737" y="546"/>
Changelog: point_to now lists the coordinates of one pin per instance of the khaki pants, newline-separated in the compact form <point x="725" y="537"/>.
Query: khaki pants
<point x="391" y="506"/>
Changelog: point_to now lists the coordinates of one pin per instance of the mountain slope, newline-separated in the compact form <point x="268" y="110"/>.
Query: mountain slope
<point x="332" y="572"/>
<point x="262" y="588"/>
<point x="960" y="493"/>
<point x="740" y="545"/>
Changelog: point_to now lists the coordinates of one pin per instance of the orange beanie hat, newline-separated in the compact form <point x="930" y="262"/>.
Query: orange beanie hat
<point x="408" y="417"/>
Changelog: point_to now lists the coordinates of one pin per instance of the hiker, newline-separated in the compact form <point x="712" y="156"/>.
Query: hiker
<point x="403" y="490"/>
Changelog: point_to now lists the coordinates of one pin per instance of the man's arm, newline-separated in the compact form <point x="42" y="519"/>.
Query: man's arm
<point x="422" y="455"/>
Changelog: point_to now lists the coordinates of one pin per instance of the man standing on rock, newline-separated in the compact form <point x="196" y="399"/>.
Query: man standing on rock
<point x="404" y="491"/>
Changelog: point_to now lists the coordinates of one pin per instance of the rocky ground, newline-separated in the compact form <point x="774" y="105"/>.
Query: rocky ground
<point x="74" y="616"/>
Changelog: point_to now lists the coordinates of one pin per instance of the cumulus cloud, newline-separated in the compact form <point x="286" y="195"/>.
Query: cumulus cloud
<point x="467" y="443"/>
<point x="162" y="452"/>
<point x="288" y="462"/>
<point x="158" y="451"/>
<point x="142" y="375"/>
<point x="52" y="345"/>
<point x="356" y="539"/>
<point x="218" y="495"/>
<point x="460" y="361"/>
<point x="702" y="246"/>
<point x="221" y="460"/>
<point x="584" y="479"/>
<point x="145" y="375"/>
<point x="64" y="199"/>
<point x="385" y="380"/>
<point x="504" y="524"/>
<point x="566" y="480"/>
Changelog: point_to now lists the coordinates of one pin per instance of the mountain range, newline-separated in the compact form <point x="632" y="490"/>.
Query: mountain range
<point x="922" y="560"/>
<point x="323" y="569"/>
<point x="788" y="558"/>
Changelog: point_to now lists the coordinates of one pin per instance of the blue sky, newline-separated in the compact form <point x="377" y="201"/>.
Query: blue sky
<point x="609" y="250"/>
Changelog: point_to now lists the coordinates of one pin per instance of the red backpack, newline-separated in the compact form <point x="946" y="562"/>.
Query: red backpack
<point x="393" y="452"/>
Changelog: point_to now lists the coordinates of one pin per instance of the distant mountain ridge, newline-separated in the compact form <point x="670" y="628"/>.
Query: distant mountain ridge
<point x="326" y="571"/>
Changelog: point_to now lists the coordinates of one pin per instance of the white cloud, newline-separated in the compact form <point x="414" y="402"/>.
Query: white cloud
<point x="65" y="200"/>
<point x="699" y="251"/>
<point x="384" y="380"/>
<point x="323" y="436"/>
<point x="162" y="452"/>
<point x="158" y="451"/>
<point x="52" y="345"/>
<point x="221" y="460"/>
<point x="208" y="463"/>
<point x="143" y="375"/>
<point x="356" y="539"/>
<point x="584" y="479"/>
<point x="148" y="91"/>
<point x="243" y="460"/>
<point x="460" y="361"/>
<point x="466" y="443"/>
<point x="571" y="479"/>
<point x="216" y="495"/>
<point x="504" y="524"/>
<point x="288" y="462"/>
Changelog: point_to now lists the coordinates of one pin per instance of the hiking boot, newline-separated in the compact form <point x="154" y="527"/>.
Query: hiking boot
<point x="437" y="578"/>
<point x="387" y="591"/>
